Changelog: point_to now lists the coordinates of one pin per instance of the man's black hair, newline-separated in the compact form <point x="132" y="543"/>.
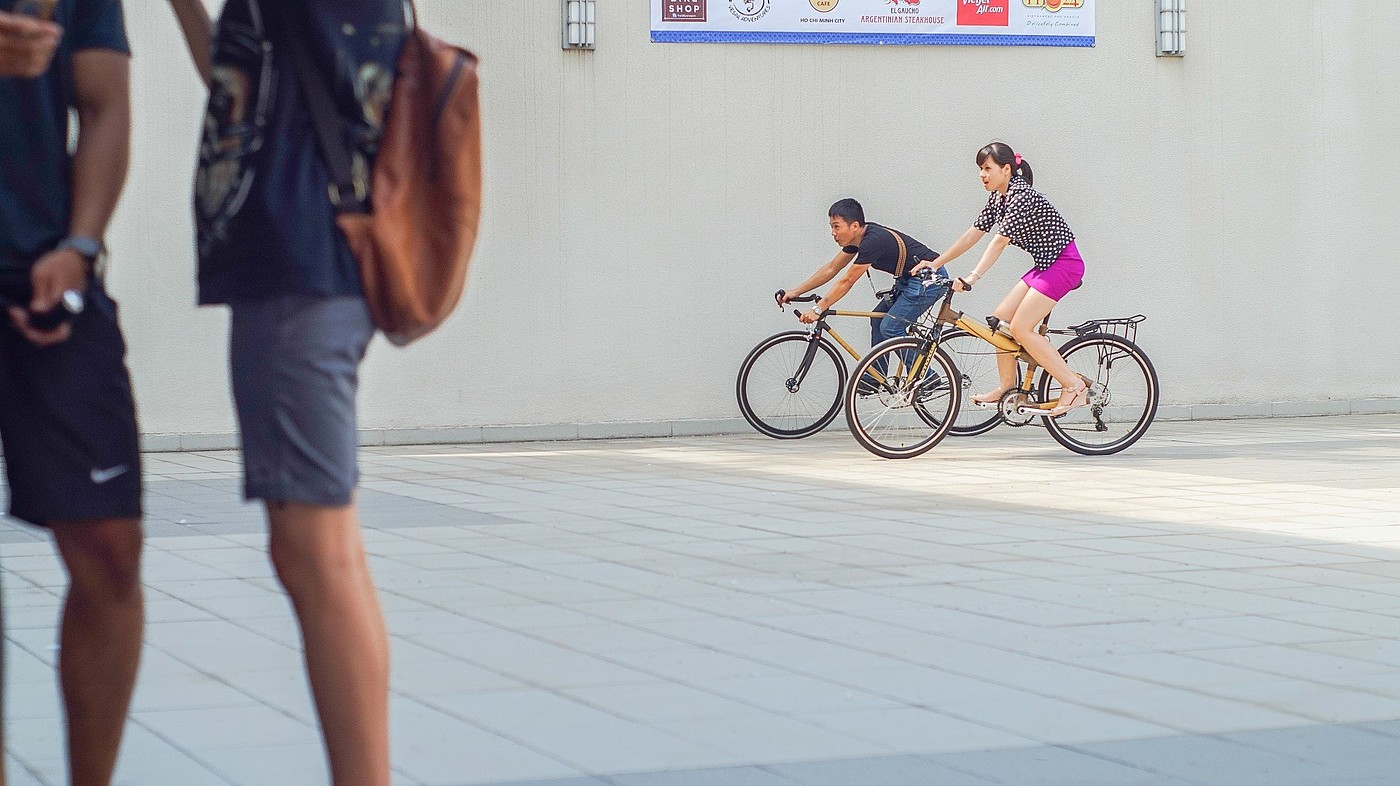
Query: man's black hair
<point x="848" y="210"/>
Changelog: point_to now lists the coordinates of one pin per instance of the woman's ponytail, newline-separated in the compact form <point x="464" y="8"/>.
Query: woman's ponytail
<point x="1003" y="155"/>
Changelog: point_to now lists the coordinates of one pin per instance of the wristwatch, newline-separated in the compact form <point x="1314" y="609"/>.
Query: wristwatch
<point x="89" y="248"/>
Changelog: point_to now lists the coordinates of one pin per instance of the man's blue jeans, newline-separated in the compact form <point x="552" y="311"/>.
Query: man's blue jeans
<point x="912" y="297"/>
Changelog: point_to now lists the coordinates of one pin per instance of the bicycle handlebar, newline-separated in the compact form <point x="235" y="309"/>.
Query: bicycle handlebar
<point x="926" y="274"/>
<point x="778" y="296"/>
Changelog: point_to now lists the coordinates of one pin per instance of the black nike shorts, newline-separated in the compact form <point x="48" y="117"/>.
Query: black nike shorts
<point x="68" y="421"/>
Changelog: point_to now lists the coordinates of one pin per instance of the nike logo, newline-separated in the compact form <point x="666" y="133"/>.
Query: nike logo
<point x="100" y="476"/>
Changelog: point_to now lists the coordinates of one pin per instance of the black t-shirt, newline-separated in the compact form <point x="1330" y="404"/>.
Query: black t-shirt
<point x="35" y="172"/>
<point x="880" y="250"/>
<point x="264" y="221"/>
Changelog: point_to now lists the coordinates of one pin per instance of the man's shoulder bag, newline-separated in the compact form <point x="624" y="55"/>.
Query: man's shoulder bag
<point x="412" y="227"/>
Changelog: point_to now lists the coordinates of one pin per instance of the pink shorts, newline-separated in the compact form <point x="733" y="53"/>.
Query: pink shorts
<point x="1064" y="274"/>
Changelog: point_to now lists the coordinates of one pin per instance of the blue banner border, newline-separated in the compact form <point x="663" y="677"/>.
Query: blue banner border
<point x="877" y="39"/>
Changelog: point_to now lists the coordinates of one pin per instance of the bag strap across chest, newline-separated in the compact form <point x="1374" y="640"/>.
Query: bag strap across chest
<point x="903" y="253"/>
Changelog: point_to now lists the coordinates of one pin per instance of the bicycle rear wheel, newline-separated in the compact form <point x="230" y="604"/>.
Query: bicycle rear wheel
<point x="1123" y="394"/>
<point x="912" y="408"/>
<point x="976" y="361"/>
<point x="786" y="395"/>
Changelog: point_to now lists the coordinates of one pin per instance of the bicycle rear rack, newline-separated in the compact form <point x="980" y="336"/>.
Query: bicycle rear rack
<point x="1123" y="327"/>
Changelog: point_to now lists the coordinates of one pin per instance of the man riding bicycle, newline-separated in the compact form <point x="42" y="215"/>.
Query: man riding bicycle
<point x="885" y="249"/>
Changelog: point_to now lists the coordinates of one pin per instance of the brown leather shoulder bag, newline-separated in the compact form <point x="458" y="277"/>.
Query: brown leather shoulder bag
<point x="412" y="227"/>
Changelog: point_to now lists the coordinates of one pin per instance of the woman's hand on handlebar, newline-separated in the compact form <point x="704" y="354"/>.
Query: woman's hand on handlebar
<point x="960" y="284"/>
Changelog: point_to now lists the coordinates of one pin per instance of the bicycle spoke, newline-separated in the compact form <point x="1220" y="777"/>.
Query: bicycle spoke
<point x="1123" y="396"/>
<point x="772" y="397"/>
<point x="906" y="415"/>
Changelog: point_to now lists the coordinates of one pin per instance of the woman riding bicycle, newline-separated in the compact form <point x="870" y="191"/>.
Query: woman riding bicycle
<point x="1029" y="222"/>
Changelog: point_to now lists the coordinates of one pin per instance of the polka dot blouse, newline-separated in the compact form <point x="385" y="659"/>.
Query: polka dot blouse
<point x="1029" y="220"/>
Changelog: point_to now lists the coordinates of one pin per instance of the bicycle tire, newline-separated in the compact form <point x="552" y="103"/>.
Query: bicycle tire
<point x="976" y="361"/>
<point x="1128" y="398"/>
<point x="773" y="406"/>
<point x="904" y="417"/>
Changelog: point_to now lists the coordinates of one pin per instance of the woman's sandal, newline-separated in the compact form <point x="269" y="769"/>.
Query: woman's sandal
<point x="988" y="399"/>
<point x="1071" y="400"/>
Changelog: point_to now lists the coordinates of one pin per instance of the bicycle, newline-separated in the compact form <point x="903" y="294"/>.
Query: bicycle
<point x="790" y="385"/>
<point x="1123" y="386"/>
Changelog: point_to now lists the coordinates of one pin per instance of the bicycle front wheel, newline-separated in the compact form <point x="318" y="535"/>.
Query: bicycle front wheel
<point x="900" y="401"/>
<point x="976" y="361"/>
<point x="789" y="386"/>
<point x="1123" y="395"/>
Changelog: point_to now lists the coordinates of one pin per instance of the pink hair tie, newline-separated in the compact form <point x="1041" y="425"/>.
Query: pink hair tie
<point x="1018" y="159"/>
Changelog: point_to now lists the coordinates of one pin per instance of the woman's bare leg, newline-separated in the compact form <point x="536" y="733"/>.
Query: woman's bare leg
<point x="1006" y="361"/>
<point x="1035" y="307"/>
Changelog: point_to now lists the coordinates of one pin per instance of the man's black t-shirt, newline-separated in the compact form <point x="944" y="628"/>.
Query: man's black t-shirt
<point x="263" y="218"/>
<point x="880" y="250"/>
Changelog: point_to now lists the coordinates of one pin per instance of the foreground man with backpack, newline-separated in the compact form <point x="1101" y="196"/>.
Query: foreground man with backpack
<point x="270" y="249"/>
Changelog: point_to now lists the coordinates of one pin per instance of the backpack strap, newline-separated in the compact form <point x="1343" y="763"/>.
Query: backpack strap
<point x="348" y="193"/>
<point x="903" y="253"/>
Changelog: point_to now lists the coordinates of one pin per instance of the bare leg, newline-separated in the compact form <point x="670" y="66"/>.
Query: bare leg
<point x="100" y="640"/>
<point x="320" y="560"/>
<point x="2" y="690"/>
<point x="1006" y="361"/>
<point x="1034" y="308"/>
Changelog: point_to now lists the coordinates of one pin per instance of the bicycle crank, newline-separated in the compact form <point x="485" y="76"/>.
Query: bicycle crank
<point x="1017" y="408"/>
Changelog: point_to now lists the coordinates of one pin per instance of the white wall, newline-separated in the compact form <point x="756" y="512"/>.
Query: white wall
<point x="644" y="201"/>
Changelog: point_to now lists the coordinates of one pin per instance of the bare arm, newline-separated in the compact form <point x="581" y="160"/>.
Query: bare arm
<point x="837" y="291"/>
<point x="824" y="274"/>
<point x="989" y="258"/>
<point x="959" y="247"/>
<point x="199" y="34"/>
<point x="102" y="96"/>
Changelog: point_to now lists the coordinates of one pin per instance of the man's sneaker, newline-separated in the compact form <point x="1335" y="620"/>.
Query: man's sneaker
<point x="867" y="387"/>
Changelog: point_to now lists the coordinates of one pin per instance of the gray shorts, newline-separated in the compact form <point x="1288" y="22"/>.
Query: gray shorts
<point x="294" y="362"/>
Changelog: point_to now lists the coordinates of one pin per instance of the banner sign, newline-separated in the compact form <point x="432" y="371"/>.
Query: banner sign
<point x="879" y="22"/>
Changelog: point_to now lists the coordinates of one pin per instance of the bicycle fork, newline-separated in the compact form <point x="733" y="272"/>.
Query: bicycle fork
<point x="814" y="337"/>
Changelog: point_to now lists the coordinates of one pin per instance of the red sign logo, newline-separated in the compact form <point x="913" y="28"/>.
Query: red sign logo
<point x="682" y="10"/>
<point x="994" y="13"/>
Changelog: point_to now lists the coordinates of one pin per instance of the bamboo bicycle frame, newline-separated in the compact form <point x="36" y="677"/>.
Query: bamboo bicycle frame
<point x="998" y="339"/>
<point x="850" y="350"/>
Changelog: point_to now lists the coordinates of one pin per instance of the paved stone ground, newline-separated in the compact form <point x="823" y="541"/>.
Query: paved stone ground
<point x="1219" y="605"/>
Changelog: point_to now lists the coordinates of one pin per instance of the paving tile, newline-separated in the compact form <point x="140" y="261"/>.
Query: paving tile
<point x="1210" y="760"/>
<point x="1217" y="605"/>
<point x="1047" y="766"/>
<point x="730" y="776"/>
<point x="886" y="771"/>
